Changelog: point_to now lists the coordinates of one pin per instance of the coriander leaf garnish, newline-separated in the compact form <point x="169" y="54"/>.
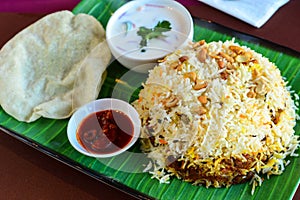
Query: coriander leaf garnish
<point x="150" y="33"/>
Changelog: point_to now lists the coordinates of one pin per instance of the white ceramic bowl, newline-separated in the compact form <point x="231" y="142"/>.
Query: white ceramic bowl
<point x="124" y="42"/>
<point x="100" y="105"/>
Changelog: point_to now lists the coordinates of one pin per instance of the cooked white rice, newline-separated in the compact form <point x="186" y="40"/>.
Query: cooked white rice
<point x="218" y="108"/>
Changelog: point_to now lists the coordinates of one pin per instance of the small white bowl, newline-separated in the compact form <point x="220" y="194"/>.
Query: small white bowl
<point x="100" y="105"/>
<point x="123" y="40"/>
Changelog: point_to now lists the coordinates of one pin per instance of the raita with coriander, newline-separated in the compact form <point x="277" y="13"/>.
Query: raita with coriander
<point x="142" y="32"/>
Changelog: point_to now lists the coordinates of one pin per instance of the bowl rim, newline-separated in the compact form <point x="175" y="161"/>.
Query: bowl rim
<point x="99" y="105"/>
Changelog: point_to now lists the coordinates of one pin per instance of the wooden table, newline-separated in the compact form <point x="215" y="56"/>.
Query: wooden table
<point x="26" y="173"/>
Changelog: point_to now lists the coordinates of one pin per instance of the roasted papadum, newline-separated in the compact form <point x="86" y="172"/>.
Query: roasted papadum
<point x="53" y="66"/>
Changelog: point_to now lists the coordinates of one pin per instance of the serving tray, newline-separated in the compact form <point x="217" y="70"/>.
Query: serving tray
<point x="126" y="171"/>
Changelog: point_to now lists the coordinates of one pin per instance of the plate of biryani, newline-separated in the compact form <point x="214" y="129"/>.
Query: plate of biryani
<point x="217" y="114"/>
<point x="219" y="118"/>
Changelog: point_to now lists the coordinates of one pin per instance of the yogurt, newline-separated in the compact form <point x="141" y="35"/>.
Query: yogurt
<point x="124" y="24"/>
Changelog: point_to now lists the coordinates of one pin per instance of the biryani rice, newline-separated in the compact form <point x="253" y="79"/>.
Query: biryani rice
<point x="216" y="114"/>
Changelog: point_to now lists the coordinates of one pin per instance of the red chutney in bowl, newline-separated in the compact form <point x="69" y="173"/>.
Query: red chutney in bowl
<point x="105" y="131"/>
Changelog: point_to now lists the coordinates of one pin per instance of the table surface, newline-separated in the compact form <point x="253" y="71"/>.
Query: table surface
<point x="27" y="173"/>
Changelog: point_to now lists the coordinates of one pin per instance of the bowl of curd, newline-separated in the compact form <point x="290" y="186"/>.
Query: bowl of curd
<point x="143" y="20"/>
